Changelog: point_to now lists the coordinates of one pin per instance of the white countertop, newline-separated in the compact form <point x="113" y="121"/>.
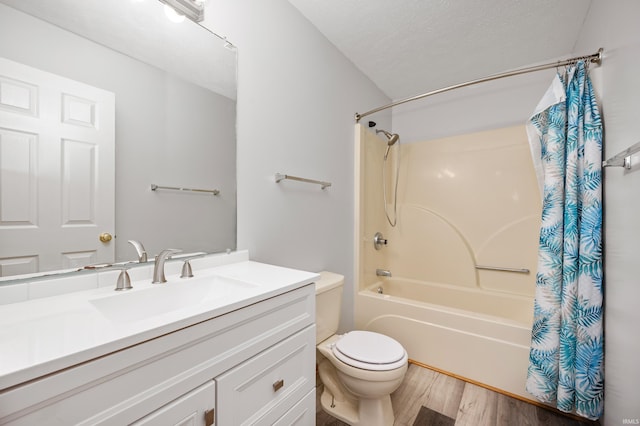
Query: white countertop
<point x="41" y="336"/>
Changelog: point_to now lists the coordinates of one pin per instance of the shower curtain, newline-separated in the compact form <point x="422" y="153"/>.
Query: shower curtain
<point x="566" y="356"/>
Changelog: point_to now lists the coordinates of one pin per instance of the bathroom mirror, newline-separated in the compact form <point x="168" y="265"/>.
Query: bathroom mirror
<point x="169" y="107"/>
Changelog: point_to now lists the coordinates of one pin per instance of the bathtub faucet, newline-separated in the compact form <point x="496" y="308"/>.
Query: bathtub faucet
<point x="383" y="272"/>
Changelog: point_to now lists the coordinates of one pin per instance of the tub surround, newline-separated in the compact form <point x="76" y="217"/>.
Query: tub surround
<point x="46" y="336"/>
<point x="463" y="201"/>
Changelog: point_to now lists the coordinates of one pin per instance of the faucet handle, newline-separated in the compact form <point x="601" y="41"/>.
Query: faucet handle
<point x="187" y="272"/>
<point x="379" y="241"/>
<point x="124" y="280"/>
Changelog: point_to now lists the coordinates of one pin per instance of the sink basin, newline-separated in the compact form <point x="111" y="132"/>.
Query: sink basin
<point x="159" y="299"/>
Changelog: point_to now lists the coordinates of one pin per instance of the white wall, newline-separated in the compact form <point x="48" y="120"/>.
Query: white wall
<point x="613" y="25"/>
<point x="501" y="103"/>
<point x="296" y="100"/>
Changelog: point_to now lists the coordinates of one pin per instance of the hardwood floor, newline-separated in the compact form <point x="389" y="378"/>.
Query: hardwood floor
<point x="429" y="398"/>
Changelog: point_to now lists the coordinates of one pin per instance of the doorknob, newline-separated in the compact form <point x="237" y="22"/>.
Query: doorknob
<point x="105" y="237"/>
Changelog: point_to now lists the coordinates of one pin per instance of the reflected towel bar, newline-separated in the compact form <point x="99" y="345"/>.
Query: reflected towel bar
<point x="323" y="185"/>
<point x="155" y="187"/>
<point x="498" y="268"/>
<point x="622" y="159"/>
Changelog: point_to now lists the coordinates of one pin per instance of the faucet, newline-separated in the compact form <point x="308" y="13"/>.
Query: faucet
<point x="158" y="268"/>
<point x="383" y="272"/>
<point x="142" y="253"/>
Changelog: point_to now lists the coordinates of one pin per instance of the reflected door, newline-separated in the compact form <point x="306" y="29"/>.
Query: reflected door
<point x="57" y="139"/>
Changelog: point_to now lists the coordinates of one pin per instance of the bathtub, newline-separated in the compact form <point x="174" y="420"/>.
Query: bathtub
<point x="477" y="335"/>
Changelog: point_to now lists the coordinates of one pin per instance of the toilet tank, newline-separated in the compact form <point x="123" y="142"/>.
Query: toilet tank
<point x="328" y="304"/>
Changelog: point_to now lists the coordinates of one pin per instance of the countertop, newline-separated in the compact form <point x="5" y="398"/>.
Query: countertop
<point x="41" y="336"/>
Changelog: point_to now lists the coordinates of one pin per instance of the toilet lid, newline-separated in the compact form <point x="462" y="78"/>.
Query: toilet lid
<point x="369" y="350"/>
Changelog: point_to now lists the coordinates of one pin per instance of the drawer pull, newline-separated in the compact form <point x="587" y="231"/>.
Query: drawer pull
<point x="277" y="385"/>
<point x="209" y="417"/>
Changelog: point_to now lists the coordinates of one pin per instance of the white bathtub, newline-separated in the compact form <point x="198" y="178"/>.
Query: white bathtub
<point x="473" y="333"/>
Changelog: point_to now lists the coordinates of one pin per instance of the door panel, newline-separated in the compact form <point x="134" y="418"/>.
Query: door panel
<point x="57" y="188"/>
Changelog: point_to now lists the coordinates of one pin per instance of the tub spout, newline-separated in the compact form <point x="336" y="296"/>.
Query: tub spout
<point x="383" y="272"/>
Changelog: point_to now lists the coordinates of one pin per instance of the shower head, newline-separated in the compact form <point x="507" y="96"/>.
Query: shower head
<point x="391" y="137"/>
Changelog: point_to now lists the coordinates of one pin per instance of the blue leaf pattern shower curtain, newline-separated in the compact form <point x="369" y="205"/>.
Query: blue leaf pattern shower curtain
<point x="566" y="357"/>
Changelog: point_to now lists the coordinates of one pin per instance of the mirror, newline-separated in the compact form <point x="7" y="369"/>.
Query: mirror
<point x="162" y="92"/>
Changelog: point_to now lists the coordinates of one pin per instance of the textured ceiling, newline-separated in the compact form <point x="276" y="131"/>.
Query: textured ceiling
<point x="407" y="47"/>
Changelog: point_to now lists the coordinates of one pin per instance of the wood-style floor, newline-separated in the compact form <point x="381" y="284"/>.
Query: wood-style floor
<point x="427" y="397"/>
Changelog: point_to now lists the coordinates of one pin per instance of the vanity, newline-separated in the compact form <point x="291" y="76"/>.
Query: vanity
<point x="234" y="345"/>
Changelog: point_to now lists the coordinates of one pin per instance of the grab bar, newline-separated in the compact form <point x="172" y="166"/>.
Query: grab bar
<point x="499" y="268"/>
<point x="622" y="159"/>
<point x="155" y="187"/>
<point x="323" y="185"/>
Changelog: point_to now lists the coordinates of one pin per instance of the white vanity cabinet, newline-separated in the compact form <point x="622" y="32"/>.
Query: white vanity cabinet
<point x="253" y="365"/>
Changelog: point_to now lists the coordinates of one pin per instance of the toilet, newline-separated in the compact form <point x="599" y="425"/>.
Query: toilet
<point x="359" y="369"/>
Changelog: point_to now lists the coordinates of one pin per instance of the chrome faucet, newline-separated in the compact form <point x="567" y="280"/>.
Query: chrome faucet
<point x="158" y="267"/>
<point x="142" y="253"/>
<point x="383" y="272"/>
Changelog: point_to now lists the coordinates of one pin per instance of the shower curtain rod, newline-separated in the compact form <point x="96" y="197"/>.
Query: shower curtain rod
<point x="595" y="58"/>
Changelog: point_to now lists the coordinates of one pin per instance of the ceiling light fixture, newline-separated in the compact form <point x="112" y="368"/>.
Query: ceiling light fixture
<point x="192" y="9"/>
<point x="173" y="14"/>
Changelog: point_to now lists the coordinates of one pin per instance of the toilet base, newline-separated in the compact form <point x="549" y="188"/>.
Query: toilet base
<point x="362" y="412"/>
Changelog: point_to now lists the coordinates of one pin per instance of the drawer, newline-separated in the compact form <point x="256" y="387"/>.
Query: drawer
<point x="302" y="414"/>
<point x="264" y="388"/>
<point x="189" y="409"/>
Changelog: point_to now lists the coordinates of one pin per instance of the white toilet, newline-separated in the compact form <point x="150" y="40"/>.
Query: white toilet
<point x="359" y="369"/>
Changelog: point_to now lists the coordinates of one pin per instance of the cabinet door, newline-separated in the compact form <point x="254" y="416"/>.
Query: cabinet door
<point x="192" y="409"/>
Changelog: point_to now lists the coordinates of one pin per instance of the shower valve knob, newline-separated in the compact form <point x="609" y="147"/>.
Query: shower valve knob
<point x="379" y="241"/>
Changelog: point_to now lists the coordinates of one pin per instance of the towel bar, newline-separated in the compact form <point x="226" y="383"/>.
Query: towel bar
<point x="622" y="159"/>
<point x="155" y="187"/>
<point x="323" y="185"/>
<point x="499" y="268"/>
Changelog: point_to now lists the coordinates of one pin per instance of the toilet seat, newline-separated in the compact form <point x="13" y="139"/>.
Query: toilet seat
<point x="370" y="351"/>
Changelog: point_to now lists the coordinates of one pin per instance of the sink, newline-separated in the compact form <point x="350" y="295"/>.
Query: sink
<point x="173" y="296"/>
